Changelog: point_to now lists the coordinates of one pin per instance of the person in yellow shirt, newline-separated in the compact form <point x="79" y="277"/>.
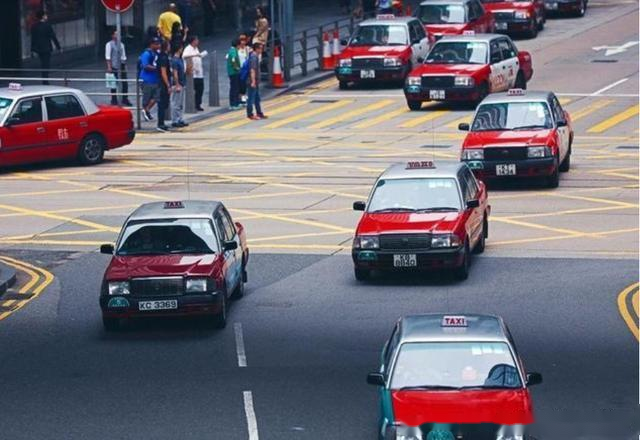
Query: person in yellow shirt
<point x="167" y="19"/>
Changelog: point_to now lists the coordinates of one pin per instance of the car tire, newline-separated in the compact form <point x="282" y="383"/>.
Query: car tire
<point x="239" y="290"/>
<point x="480" y="245"/>
<point x="111" y="324"/>
<point x="566" y="163"/>
<point x="541" y="23"/>
<point x="91" y="151"/>
<point x="521" y="83"/>
<point x="583" y="9"/>
<point x="461" y="273"/>
<point x="483" y="92"/>
<point x="414" y="105"/>
<point x="343" y="85"/>
<point x="362" y="274"/>
<point x="219" y="321"/>
<point x="533" y="29"/>
<point x="553" y="181"/>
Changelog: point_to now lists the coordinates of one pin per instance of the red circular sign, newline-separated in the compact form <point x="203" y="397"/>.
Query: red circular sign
<point x="117" y="5"/>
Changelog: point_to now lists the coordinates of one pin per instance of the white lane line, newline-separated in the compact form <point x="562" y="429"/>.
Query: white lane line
<point x="608" y="95"/>
<point x="242" y="356"/>
<point x="356" y="95"/>
<point x="610" y="86"/>
<point x="252" y="423"/>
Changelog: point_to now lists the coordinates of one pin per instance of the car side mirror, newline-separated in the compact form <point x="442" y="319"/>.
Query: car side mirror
<point x="359" y="206"/>
<point x="416" y="41"/>
<point x="375" y="379"/>
<point x="420" y="60"/>
<point x="230" y="245"/>
<point x="534" y="379"/>
<point x="107" y="249"/>
<point x="463" y="126"/>
<point x="344" y="42"/>
<point x="13" y="120"/>
<point x="471" y="204"/>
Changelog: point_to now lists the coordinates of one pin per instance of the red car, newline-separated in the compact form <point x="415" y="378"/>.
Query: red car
<point x="384" y="49"/>
<point x="455" y="17"/>
<point x="516" y="17"/>
<point x="468" y="68"/>
<point x="175" y="259"/>
<point x="45" y="123"/>
<point x="519" y="134"/>
<point x="421" y="216"/>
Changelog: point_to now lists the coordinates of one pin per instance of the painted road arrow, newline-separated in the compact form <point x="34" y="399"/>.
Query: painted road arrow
<point x="613" y="50"/>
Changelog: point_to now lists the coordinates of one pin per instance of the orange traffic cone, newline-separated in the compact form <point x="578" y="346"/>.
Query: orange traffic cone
<point x="336" y="47"/>
<point x="327" y="58"/>
<point x="276" y="75"/>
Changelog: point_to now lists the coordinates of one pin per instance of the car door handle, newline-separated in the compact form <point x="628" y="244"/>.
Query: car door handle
<point x="40" y="129"/>
<point x="84" y="124"/>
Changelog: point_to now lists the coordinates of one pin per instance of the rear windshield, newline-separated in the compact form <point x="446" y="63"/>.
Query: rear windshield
<point x="380" y="35"/>
<point x="442" y="14"/>
<point x="168" y="236"/>
<point x="5" y="103"/>
<point x="471" y="52"/>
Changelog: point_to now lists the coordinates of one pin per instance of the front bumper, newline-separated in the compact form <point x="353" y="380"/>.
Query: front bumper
<point x="562" y="6"/>
<point x="426" y="260"/>
<point x="382" y="74"/>
<point x="418" y="93"/>
<point x="514" y="26"/>
<point x="486" y="169"/>
<point x="188" y="305"/>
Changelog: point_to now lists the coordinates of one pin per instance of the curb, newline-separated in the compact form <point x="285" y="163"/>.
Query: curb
<point x="7" y="277"/>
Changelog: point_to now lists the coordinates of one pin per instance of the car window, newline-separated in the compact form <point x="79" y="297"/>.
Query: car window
<point x="28" y="111"/>
<point x="471" y="12"/>
<point x="442" y="14"/>
<point x="506" y="50"/>
<point x="558" y="113"/>
<point x="63" y="106"/>
<point x="472" y="185"/>
<point x="390" y="349"/>
<point x="477" y="8"/>
<point x="222" y="230"/>
<point x="229" y="228"/>
<point x="413" y="36"/>
<point x="496" y="54"/>
<point x="420" y="30"/>
<point x="5" y="104"/>
<point x="464" y="187"/>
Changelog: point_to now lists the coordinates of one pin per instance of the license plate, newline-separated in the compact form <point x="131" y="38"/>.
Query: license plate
<point x="506" y="170"/>
<point x="405" y="260"/>
<point x="436" y="94"/>
<point x="368" y="74"/>
<point x="501" y="26"/>
<point x="169" y="304"/>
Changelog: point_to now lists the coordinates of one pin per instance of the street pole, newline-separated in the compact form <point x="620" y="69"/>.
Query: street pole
<point x="288" y="39"/>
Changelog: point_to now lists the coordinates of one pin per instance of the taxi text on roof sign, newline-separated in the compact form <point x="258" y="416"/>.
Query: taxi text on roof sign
<point x="516" y="92"/>
<point x="15" y="86"/>
<point x="469" y="32"/>
<point x="173" y="205"/>
<point x="454" y="321"/>
<point x="424" y="164"/>
<point x="385" y="17"/>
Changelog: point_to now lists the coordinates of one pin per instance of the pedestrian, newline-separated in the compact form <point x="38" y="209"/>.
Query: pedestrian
<point x="164" y="86"/>
<point x="384" y="6"/>
<point x="116" y="58"/>
<point x="178" y="36"/>
<point x="167" y="19"/>
<point x="152" y="32"/>
<point x="150" y="77"/>
<point x="193" y="55"/>
<point x="177" y="93"/>
<point x="262" y="27"/>
<point x="253" y="84"/>
<point x="243" y="55"/>
<point x="42" y="35"/>
<point x="233" y="70"/>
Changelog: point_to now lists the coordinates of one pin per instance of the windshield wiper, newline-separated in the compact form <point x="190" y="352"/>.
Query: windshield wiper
<point x="525" y="127"/>
<point x="439" y="208"/>
<point x="398" y="209"/>
<point x="428" y="387"/>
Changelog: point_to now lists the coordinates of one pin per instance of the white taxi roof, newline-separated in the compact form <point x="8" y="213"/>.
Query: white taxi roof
<point x="526" y="96"/>
<point x="432" y="327"/>
<point x="389" y="21"/>
<point x="26" y="91"/>
<point x="478" y="38"/>
<point x="439" y="169"/>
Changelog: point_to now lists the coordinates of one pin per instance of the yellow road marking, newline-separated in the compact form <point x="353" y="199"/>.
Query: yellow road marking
<point x="615" y="120"/>
<point x="43" y="193"/>
<point x="297" y="221"/>
<point x="591" y="108"/>
<point x="371" y="122"/>
<point x="636" y="303"/>
<point x="454" y="124"/>
<point x="624" y="310"/>
<point x="34" y="272"/>
<point x="352" y="114"/>
<point x="425" y="118"/>
<point x="45" y="214"/>
<point x="286" y="237"/>
<point x="567" y="212"/>
<point x="301" y="246"/>
<point x="49" y="234"/>
<point x="277" y="111"/>
<point x="308" y="114"/>
<point x="562" y="237"/>
<point x="537" y="226"/>
<point x="564" y="100"/>
<point x="56" y="242"/>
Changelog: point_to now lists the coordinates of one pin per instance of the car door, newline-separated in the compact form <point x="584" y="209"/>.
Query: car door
<point x="475" y="214"/>
<point x="67" y="124"/>
<point x="497" y="76"/>
<point x="24" y="135"/>
<point x="419" y="41"/>
<point x="231" y="232"/>
<point x="229" y="256"/>
<point x="510" y="63"/>
<point x="563" y="132"/>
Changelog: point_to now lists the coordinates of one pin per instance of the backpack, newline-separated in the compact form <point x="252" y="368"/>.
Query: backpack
<point x="244" y="69"/>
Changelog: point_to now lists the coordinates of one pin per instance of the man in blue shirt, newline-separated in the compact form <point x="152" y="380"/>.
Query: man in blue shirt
<point x="177" y="92"/>
<point x="150" y="77"/>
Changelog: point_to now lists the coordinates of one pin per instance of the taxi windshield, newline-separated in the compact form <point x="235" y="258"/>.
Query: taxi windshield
<point x="5" y="103"/>
<point x="442" y="14"/>
<point x="424" y="194"/>
<point x="455" y="365"/>
<point x="512" y="116"/>
<point x="168" y="236"/>
<point x="471" y="52"/>
<point x="380" y="35"/>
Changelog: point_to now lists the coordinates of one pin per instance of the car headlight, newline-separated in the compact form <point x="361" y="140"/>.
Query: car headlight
<point x="464" y="81"/>
<point x="392" y="62"/>
<point x="366" y="242"/>
<point x="196" y="285"/>
<point x="535" y="152"/>
<point x="473" y="154"/>
<point x="440" y="241"/>
<point x="510" y="432"/>
<point x="345" y="62"/>
<point x="119" y="288"/>
<point x="521" y="15"/>
<point x="414" y="81"/>
<point x="408" y="433"/>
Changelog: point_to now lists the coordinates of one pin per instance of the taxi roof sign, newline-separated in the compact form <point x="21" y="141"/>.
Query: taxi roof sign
<point x="454" y="321"/>
<point x="15" y="86"/>
<point x="173" y="205"/>
<point x="516" y="92"/>
<point x="469" y="32"/>
<point x="385" y="17"/>
<point x="420" y="165"/>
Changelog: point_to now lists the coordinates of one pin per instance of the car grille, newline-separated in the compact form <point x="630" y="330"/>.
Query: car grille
<point x="162" y="286"/>
<point x="367" y="63"/>
<point x="503" y="16"/>
<point x="437" y="81"/>
<point x="403" y="242"/>
<point x="505" y="153"/>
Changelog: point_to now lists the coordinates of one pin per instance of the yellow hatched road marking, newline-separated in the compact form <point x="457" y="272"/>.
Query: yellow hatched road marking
<point x="276" y="111"/>
<point x="49" y="215"/>
<point x="35" y="273"/>
<point x="624" y="309"/>
<point x="585" y="111"/>
<point x="381" y="119"/>
<point x="308" y="114"/>
<point x="353" y="113"/>
<point x="564" y="101"/>
<point x="636" y="303"/>
<point x="425" y="118"/>
<point x="455" y="122"/>
<point x="615" y="120"/>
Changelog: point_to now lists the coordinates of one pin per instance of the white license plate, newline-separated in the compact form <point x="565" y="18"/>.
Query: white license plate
<point x="506" y="170"/>
<point x="436" y="94"/>
<point x="169" y="304"/>
<point x="501" y="26"/>
<point x="405" y="260"/>
<point x="368" y="74"/>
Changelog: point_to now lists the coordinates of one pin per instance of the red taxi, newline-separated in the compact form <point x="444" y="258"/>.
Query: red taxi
<point x="453" y="377"/>
<point x="421" y="216"/>
<point x="384" y="49"/>
<point x="175" y="259"/>
<point x="455" y="17"/>
<point x="519" y="134"/>
<point x="468" y="68"/>
<point x="516" y="17"/>
<point x="45" y="123"/>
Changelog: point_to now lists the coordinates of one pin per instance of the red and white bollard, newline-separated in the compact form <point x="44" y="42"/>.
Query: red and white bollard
<point x="336" y="47"/>
<point x="276" y="75"/>
<point x="327" y="58"/>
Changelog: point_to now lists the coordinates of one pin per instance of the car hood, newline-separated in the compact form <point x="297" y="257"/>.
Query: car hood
<point x="408" y="222"/>
<point x="505" y="407"/>
<point x="506" y="6"/>
<point x="507" y="138"/>
<point x="125" y="267"/>
<point x="447" y="69"/>
<point x="363" y="51"/>
<point x="446" y="29"/>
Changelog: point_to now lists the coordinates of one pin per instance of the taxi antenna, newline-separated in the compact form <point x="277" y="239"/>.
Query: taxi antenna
<point x="188" y="173"/>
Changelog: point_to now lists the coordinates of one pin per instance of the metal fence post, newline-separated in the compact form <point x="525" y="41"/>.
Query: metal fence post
<point x="214" y="90"/>
<point x="320" y="44"/>
<point x="138" y="104"/>
<point x="303" y="53"/>
<point x="190" y="99"/>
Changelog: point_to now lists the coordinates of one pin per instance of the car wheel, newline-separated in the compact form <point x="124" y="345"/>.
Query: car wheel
<point x="219" y="321"/>
<point x="462" y="273"/>
<point x="362" y="274"/>
<point x="521" y="83"/>
<point x="343" y="85"/>
<point x="533" y="29"/>
<point x="566" y="163"/>
<point x="414" y="105"/>
<point x="582" y="10"/>
<point x="91" y="150"/>
<point x="239" y="290"/>
<point x="483" y="237"/>
<point x="111" y="324"/>
<point x="554" y="179"/>
<point x="541" y="23"/>
<point x="483" y="92"/>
